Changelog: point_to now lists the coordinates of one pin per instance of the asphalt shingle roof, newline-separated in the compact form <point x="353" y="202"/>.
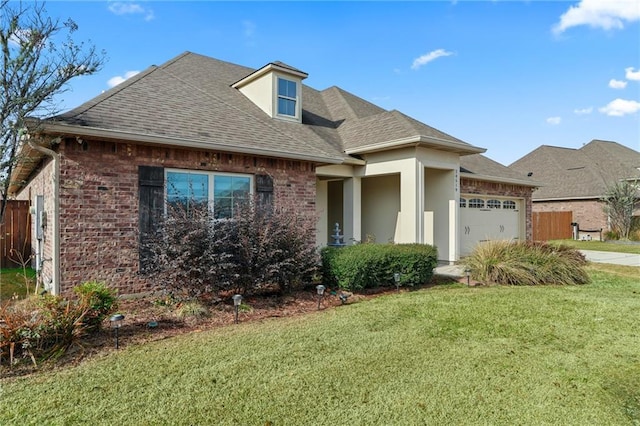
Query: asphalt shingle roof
<point x="579" y="173"/>
<point x="478" y="164"/>
<point x="190" y="98"/>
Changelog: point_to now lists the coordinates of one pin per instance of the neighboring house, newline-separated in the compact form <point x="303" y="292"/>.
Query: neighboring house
<point x="99" y="175"/>
<point x="576" y="179"/>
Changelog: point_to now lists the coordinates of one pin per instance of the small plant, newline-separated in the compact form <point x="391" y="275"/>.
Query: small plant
<point x="192" y="309"/>
<point x="100" y="301"/>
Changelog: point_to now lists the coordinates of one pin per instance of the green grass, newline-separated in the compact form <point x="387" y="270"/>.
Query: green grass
<point x="12" y="282"/>
<point x="633" y="248"/>
<point x="443" y="355"/>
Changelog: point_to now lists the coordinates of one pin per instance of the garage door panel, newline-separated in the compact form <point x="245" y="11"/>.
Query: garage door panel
<point x="480" y="224"/>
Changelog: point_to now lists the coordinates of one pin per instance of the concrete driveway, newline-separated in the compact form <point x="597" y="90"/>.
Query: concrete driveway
<point x="612" y="257"/>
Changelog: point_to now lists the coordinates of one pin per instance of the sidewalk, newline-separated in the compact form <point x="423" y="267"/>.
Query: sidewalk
<point x="612" y="257"/>
<point x="628" y="259"/>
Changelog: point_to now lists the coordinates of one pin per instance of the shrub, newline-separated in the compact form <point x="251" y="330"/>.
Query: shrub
<point x="262" y="246"/>
<point x="101" y="301"/>
<point x="526" y="263"/>
<point x="371" y="265"/>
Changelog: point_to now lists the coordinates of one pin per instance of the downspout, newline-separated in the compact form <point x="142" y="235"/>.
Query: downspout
<point x="54" y="286"/>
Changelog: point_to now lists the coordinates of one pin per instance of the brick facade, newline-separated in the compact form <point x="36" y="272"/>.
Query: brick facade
<point x="589" y="214"/>
<point x="499" y="189"/>
<point x="99" y="202"/>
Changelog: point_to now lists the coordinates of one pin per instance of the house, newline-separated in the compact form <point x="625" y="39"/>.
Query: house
<point x="576" y="179"/>
<point x="98" y="176"/>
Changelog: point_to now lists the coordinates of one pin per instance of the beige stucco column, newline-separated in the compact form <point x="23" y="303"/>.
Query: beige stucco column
<point x="411" y="220"/>
<point x="352" y="196"/>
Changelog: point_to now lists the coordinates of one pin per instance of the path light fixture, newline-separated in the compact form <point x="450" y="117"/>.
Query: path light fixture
<point x="320" y="288"/>
<point x="396" y="279"/>
<point x="237" y="300"/>
<point x="116" y="322"/>
<point x="467" y="272"/>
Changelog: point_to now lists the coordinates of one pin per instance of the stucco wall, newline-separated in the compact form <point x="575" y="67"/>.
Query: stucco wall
<point x="99" y="203"/>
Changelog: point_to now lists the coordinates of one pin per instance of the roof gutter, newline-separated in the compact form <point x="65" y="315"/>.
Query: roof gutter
<point x="54" y="285"/>
<point x="459" y="147"/>
<point x="66" y="129"/>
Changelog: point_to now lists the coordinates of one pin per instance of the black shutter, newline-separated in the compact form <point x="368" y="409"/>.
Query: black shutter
<point x="264" y="190"/>
<point x="151" y="199"/>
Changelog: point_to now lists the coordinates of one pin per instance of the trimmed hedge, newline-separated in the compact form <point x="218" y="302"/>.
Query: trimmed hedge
<point x="372" y="265"/>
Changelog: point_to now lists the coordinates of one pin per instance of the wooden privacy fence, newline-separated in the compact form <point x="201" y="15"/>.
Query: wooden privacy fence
<point x="15" y="233"/>
<point x="552" y="225"/>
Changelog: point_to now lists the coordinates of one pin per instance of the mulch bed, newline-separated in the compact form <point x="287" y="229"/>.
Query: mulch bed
<point x="148" y="319"/>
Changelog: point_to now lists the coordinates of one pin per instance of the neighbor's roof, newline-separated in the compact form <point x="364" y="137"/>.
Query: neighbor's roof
<point x="579" y="173"/>
<point x="479" y="167"/>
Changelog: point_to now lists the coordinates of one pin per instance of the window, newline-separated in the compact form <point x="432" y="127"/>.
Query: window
<point x="494" y="204"/>
<point x="219" y="191"/>
<point x="476" y="203"/>
<point x="463" y="203"/>
<point x="287" y="97"/>
<point x="509" y="205"/>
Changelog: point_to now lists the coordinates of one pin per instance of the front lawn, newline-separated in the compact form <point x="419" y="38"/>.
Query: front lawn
<point x="616" y="246"/>
<point x="442" y="355"/>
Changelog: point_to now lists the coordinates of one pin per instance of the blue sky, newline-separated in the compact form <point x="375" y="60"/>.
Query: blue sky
<point x="508" y="76"/>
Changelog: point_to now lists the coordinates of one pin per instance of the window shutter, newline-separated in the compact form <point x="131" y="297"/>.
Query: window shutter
<point x="150" y="203"/>
<point x="264" y="190"/>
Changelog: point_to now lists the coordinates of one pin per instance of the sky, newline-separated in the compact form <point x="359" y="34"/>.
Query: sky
<point x="507" y="76"/>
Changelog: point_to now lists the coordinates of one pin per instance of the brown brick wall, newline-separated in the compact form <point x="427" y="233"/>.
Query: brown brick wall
<point x="99" y="203"/>
<point x="472" y="186"/>
<point x="587" y="213"/>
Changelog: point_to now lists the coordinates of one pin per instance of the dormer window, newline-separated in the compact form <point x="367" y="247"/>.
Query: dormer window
<point x="276" y="89"/>
<point x="287" y="97"/>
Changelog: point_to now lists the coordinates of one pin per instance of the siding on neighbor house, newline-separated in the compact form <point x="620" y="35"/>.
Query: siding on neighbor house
<point x="99" y="196"/>
<point x="472" y="186"/>
<point x="589" y="214"/>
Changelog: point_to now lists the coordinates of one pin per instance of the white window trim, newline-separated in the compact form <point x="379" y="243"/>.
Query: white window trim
<point x="211" y="177"/>
<point x="297" y="99"/>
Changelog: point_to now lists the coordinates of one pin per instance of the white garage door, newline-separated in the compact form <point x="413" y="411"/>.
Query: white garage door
<point x="487" y="218"/>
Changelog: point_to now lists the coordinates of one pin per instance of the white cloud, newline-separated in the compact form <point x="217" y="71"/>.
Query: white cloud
<point x="583" y="111"/>
<point x="605" y="14"/>
<point x="630" y="74"/>
<point x="114" y="81"/>
<point x="620" y="107"/>
<point x="617" y="84"/>
<point x="554" y="121"/>
<point x="249" y="28"/>
<point x="130" y="8"/>
<point x="428" y="57"/>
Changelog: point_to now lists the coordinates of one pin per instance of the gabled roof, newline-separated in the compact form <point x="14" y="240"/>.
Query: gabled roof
<point x="189" y="101"/>
<point x="190" y="98"/>
<point x="579" y="173"/>
<point x="479" y="167"/>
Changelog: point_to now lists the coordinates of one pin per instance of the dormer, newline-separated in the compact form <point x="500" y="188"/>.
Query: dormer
<point x="277" y="89"/>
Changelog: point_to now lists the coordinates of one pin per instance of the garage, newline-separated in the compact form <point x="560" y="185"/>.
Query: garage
<point x="485" y="218"/>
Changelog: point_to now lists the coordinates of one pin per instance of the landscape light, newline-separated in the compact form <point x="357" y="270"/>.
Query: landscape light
<point x="467" y="272"/>
<point x="116" y="322"/>
<point x="237" y="300"/>
<point x="320" y="288"/>
<point x="396" y="278"/>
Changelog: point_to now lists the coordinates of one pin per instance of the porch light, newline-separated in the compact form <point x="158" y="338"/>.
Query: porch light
<point x="396" y="279"/>
<point x="237" y="300"/>
<point x="116" y="322"/>
<point x="320" y="289"/>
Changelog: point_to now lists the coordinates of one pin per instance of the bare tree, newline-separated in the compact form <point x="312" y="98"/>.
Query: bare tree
<point x="39" y="57"/>
<point x="620" y="200"/>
